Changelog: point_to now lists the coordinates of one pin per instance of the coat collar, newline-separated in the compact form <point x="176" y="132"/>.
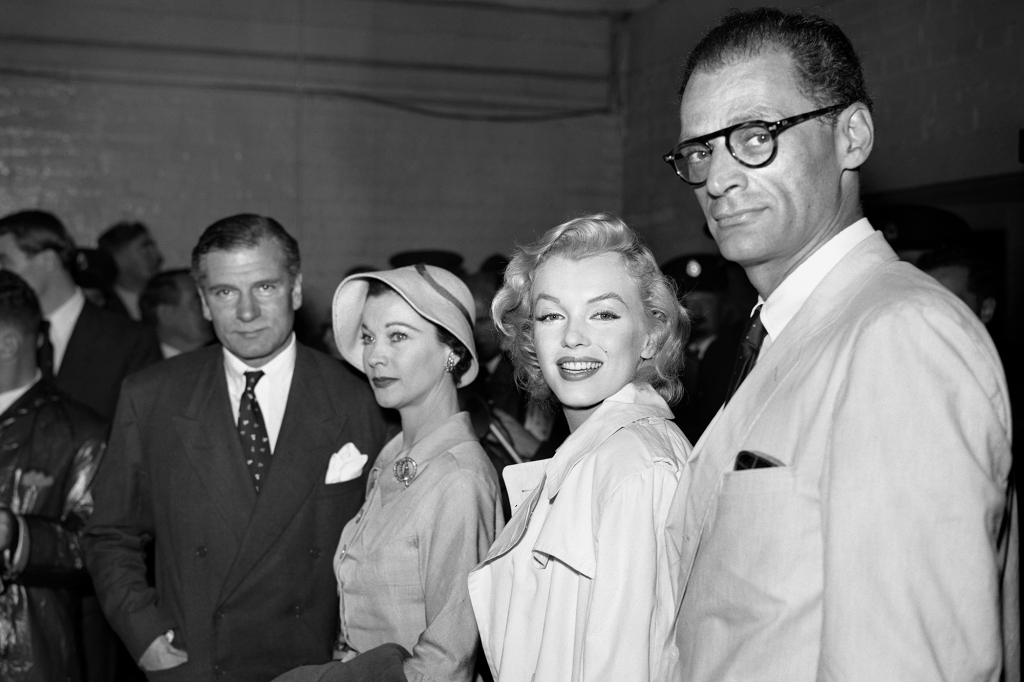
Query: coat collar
<point x="567" y="531"/>
<point x="454" y="431"/>
<point x="631" y="403"/>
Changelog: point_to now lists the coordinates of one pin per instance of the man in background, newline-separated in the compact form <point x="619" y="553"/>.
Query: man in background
<point x="87" y="350"/>
<point x="849" y="515"/>
<point x="50" y="447"/>
<point x="220" y="457"/>
<point x="170" y="305"/>
<point x="138" y="259"/>
<point x="967" y="275"/>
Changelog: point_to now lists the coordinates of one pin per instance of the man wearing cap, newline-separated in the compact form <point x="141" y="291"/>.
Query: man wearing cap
<point x="849" y="515"/>
<point x="221" y="456"/>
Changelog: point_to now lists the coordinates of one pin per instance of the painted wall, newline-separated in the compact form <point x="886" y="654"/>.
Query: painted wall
<point x="365" y="127"/>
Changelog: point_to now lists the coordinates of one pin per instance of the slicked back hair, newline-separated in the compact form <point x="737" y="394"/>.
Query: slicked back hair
<point x="162" y="289"/>
<point x="19" y="306"/>
<point x="245" y="231"/>
<point x="827" y="67"/>
<point x="120" y="235"/>
<point x="37" y="231"/>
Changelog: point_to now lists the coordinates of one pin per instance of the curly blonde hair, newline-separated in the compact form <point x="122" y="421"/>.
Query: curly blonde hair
<point x="593" y="235"/>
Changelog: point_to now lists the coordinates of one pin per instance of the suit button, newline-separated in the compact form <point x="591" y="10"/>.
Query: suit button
<point x="201" y="551"/>
<point x="218" y="671"/>
<point x="296" y="610"/>
<point x="315" y="552"/>
<point x="218" y="614"/>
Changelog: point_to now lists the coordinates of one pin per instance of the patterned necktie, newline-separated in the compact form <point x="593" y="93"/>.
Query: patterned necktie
<point x="45" y="354"/>
<point x="746" y="356"/>
<point x="253" y="431"/>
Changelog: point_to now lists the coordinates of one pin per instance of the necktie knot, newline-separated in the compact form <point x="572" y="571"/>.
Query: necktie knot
<point x="746" y="356"/>
<point x="252" y="378"/>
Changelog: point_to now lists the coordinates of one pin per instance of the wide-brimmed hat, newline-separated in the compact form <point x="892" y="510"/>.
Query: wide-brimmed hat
<point x="434" y="293"/>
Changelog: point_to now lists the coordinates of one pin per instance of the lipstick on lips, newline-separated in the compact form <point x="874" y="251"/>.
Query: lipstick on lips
<point x="382" y="382"/>
<point x="578" y="369"/>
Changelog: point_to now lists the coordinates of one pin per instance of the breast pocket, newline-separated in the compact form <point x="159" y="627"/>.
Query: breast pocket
<point x="766" y="536"/>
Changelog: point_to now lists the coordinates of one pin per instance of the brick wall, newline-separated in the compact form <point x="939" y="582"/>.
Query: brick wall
<point x="947" y="77"/>
<point x="180" y="112"/>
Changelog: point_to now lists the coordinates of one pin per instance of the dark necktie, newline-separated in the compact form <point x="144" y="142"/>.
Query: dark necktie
<point x="746" y="356"/>
<point x="45" y="354"/>
<point x="253" y="431"/>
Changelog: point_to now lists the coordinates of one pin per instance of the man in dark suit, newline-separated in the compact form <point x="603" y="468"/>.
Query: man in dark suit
<point x="243" y="535"/>
<point x="138" y="259"/>
<point x="93" y="350"/>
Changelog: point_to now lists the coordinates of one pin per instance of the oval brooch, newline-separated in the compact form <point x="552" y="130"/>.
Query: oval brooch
<point x="405" y="470"/>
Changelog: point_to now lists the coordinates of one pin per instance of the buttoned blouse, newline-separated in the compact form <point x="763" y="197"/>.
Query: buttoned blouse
<point x="403" y="560"/>
<point x="581" y="583"/>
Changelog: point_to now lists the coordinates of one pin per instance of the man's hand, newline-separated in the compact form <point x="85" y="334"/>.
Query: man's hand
<point x="7" y="525"/>
<point x="161" y="655"/>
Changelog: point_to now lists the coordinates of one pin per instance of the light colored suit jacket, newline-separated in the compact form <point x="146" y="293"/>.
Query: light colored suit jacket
<point x="877" y="549"/>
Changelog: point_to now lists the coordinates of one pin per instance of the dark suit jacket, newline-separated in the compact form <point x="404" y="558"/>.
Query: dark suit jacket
<point x="245" y="580"/>
<point x="104" y="348"/>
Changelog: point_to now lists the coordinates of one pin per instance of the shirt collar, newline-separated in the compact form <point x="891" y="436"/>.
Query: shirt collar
<point x="8" y="398"/>
<point x="787" y="299"/>
<point x="237" y="368"/>
<point x="455" y="430"/>
<point x="66" y="314"/>
<point x="631" y="403"/>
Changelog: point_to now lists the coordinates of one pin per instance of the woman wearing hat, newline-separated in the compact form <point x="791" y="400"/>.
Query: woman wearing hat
<point x="581" y="583"/>
<point x="432" y="507"/>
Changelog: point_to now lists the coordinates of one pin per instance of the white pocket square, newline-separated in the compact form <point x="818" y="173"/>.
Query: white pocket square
<point x="345" y="465"/>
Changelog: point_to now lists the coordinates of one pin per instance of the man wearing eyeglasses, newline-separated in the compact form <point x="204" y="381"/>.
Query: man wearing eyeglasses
<point x="849" y="515"/>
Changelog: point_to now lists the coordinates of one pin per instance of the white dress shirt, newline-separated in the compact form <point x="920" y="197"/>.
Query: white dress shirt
<point x="271" y="391"/>
<point x="8" y="398"/>
<point x="783" y="303"/>
<point x="62" y="324"/>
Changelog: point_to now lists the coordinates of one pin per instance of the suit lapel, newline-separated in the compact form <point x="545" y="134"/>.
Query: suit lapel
<point x="207" y="431"/>
<point x="300" y="458"/>
<point x="716" y="451"/>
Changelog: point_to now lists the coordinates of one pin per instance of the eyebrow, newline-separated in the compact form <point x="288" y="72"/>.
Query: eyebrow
<point x="393" y="324"/>
<point x="595" y="299"/>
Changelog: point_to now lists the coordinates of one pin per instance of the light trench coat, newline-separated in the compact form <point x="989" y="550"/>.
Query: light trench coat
<point x="581" y="584"/>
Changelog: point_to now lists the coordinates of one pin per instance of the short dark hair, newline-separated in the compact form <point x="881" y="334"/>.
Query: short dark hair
<point x="827" y="67"/>
<point x="245" y="231"/>
<point x="465" y="358"/>
<point x="19" y="305"/>
<point x="981" y="274"/>
<point x="37" y="231"/>
<point x="161" y="289"/>
<point x="119" y="235"/>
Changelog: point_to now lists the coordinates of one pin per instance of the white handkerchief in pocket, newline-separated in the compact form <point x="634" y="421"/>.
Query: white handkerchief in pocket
<point x="345" y="465"/>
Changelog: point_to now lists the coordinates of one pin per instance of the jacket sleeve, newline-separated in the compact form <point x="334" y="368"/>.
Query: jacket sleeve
<point x="50" y="552"/>
<point x="118" y="531"/>
<point x="462" y="529"/>
<point x="631" y="604"/>
<point x="913" y="502"/>
<point x="145" y="351"/>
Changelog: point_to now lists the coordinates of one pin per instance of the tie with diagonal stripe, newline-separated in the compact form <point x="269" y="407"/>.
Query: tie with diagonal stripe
<point x="252" y="431"/>
<point x="746" y="355"/>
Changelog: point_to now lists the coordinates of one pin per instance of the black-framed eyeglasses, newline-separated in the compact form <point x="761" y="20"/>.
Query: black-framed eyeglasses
<point x="752" y="143"/>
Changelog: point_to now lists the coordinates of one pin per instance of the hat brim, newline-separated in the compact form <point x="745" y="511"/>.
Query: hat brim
<point x="350" y="300"/>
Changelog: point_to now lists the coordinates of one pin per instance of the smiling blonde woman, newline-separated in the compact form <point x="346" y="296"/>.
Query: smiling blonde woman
<point x="580" y="585"/>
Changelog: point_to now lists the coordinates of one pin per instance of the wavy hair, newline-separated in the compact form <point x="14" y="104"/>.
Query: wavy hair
<point x="593" y="235"/>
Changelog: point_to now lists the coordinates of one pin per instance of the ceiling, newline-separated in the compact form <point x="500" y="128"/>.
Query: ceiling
<point x="559" y="6"/>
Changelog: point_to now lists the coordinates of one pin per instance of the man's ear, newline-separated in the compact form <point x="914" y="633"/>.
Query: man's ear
<point x="10" y="343"/>
<point x="207" y="315"/>
<point x="855" y="136"/>
<point x="297" y="292"/>
<point x="988" y="310"/>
